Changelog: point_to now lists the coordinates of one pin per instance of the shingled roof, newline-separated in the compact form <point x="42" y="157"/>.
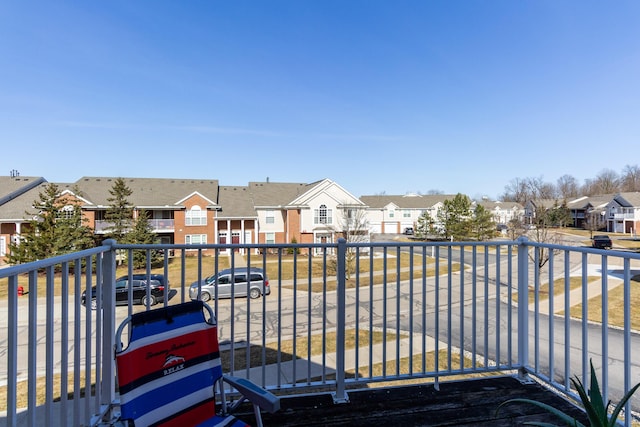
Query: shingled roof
<point x="276" y="194"/>
<point x="18" y="208"/>
<point x="408" y="201"/>
<point x="235" y="202"/>
<point x="12" y="187"/>
<point x="148" y="192"/>
<point x="632" y="199"/>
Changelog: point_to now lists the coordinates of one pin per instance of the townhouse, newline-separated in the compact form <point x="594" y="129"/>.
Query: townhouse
<point x="394" y="213"/>
<point x="623" y="213"/>
<point x="16" y="200"/>
<point x="195" y="211"/>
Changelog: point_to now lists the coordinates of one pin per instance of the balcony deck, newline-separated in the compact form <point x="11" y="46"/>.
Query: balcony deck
<point x="407" y="313"/>
<point x="471" y="402"/>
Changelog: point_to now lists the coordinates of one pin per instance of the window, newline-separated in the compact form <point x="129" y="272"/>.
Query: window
<point x="270" y="238"/>
<point x="196" y="216"/>
<point x="66" y="212"/>
<point x="322" y="215"/>
<point x="392" y="213"/>
<point x="195" y="239"/>
<point x="240" y="278"/>
<point x="406" y="213"/>
<point x="271" y="218"/>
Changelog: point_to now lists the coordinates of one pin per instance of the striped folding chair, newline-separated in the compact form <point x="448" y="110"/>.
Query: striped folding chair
<point x="168" y="371"/>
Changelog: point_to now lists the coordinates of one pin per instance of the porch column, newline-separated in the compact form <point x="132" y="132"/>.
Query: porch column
<point x="242" y="238"/>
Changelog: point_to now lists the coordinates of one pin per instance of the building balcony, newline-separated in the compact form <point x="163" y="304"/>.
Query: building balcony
<point x="420" y="333"/>
<point x="157" y="226"/>
<point x="623" y="216"/>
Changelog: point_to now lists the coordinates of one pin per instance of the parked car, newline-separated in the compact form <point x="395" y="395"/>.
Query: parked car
<point x="408" y="231"/>
<point x="138" y="289"/>
<point x="143" y="276"/>
<point x="601" y="241"/>
<point x="257" y="285"/>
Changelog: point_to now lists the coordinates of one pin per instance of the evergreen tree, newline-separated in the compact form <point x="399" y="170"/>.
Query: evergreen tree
<point x="455" y="218"/>
<point x="142" y="233"/>
<point x="424" y="226"/>
<point x="559" y="215"/>
<point x="120" y="212"/>
<point x="57" y="227"/>
<point x="483" y="225"/>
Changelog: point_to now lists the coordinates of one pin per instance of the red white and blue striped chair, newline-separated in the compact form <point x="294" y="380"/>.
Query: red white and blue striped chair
<point x="168" y="371"/>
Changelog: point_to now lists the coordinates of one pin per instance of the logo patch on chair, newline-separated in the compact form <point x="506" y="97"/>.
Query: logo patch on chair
<point x="173" y="364"/>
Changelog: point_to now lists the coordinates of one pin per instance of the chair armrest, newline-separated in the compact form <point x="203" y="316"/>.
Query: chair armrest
<point x="255" y="394"/>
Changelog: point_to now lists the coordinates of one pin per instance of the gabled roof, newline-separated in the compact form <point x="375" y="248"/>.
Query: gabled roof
<point x="329" y="188"/>
<point x="147" y="192"/>
<point x="12" y="187"/>
<point x="590" y="202"/>
<point x="410" y="201"/>
<point x="631" y="199"/>
<point x="235" y="202"/>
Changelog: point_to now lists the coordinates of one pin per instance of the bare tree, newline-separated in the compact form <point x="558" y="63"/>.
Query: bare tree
<point x="542" y="232"/>
<point x="567" y="187"/>
<point x="607" y="182"/>
<point x="353" y="225"/>
<point x="521" y="190"/>
<point x="630" y="180"/>
<point x="593" y="221"/>
<point x="516" y="191"/>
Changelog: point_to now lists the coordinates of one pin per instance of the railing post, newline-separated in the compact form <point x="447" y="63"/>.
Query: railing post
<point x="340" y="395"/>
<point x="523" y="304"/>
<point x="108" y="386"/>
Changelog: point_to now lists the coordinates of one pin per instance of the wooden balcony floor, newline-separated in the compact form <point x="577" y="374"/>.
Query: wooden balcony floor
<point x="460" y="403"/>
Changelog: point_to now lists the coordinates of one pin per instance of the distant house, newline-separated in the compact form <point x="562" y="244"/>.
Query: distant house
<point x="198" y="211"/>
<point x="16" y="199"/>
<point x="589" y="209"/>
<point x="180" y="210"/>
<point x="503" y="212"/>
<point x="623" y="213"/>
<point x="305" y="213"/>
<point x="392" y="214"/>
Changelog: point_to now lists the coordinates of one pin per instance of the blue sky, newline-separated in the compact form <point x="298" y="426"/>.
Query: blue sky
<point x="379" y="96"/>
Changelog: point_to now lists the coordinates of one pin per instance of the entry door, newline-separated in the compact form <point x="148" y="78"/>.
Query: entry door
<point x="323" y="238"/>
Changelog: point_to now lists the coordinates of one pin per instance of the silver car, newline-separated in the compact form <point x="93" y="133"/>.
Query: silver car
<point x="252" y="282"/>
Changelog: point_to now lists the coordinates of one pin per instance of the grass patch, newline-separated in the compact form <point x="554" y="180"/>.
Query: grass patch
<point x="22" y="390"/>
<point x="286" y="348"/>
<point x="575" y="282"/>
<point x="615" y="306"/>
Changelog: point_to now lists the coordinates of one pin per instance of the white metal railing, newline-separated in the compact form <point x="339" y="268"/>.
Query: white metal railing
<point x="348" y="314"/>
<point x="102" y="226"/>
<point x="627" y="215"/>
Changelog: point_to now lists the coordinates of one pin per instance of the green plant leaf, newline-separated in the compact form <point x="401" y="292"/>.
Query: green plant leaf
<point x="595" y="397"/>
<point x="570" y="421"/>
<point x="620" y="406"/>
<point x="594" y="420"/>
